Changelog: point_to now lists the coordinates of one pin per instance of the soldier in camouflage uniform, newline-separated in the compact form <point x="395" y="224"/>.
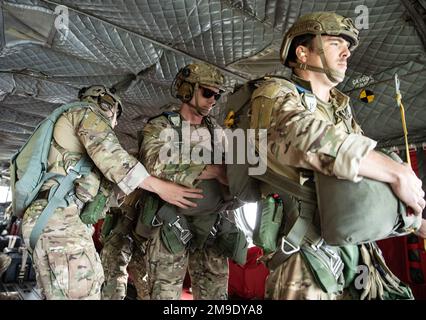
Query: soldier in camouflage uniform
<point x="5" y="262"/>
<point x="123" y="253"/>
<point x="198" y="86"/>
<point x="311" y="128"/>
<point x="66" y="263"/>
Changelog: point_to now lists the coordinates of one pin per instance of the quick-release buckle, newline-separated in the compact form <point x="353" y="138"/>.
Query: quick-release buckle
<point x="213" y="231"/>
<point x="71" y="197"/>
<point x="185" y="234"/>
<point x="72" y="168"/>
<point x="215" y="227"/>
<point x="287" y="243"/>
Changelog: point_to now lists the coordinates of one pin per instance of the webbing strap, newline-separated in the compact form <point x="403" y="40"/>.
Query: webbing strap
<point x="281" y="184"/>
<point x="176" y="121"/>
<point x="56" y="200"/>
<point x="23" y="268"/>
<point x="290" y="242"/>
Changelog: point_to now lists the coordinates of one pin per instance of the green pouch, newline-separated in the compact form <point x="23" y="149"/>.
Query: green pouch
<point x="170" y="240"/>
<point x="268" y="223"/>
<point x="232" y="241"/>
<point x="147" y="207"/>
<point x="350" y="258"/>
<point x="94" y="210"/>
<point x="326" y="269"/>
<point x="108" y="225"/>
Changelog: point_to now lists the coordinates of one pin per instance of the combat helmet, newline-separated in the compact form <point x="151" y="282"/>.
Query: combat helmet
<point x="190" y="77"/>
<point x="98" y="94"/>
<point x="317" y="24"/>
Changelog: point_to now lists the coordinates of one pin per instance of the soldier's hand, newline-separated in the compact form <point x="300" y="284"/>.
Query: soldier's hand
<point x="171" y="192"/>
<point x="214" y="171"/>
<point x="422" y="230"/>
<point x="408" y="188"/>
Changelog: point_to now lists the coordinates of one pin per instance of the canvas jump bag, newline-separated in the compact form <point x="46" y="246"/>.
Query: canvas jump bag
<point x="355" y="213"/>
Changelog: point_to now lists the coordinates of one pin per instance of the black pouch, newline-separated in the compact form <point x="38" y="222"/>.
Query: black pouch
<point x="232" y="241"/>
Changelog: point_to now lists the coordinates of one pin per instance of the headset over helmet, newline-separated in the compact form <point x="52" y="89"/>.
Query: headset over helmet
<point x="190" y="77"/>
<point x="100" y="95"/>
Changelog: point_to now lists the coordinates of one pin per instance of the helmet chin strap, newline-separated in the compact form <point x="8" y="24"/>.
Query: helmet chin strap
<point x="196" y="107"/>
<point x="333" y="75"/>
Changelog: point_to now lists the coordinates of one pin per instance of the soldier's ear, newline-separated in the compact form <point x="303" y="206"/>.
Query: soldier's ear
<point x="186" y="72"/>
<point x="301" y="53"/>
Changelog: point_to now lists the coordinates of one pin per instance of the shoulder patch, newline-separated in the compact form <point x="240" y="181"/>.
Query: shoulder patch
<point x="94" y="122"/>
<point x="274" y="88"/>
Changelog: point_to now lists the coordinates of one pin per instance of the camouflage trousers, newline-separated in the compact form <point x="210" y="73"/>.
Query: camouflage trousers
<point x="294" y="281"/>
<point x="166" y="271"/>
<point x="65" y="259"/>
<point x="5" y="261"/>
<point x="120" y="256"/>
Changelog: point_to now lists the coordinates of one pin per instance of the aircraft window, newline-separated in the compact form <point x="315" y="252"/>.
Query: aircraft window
<point x="245" y="218"/>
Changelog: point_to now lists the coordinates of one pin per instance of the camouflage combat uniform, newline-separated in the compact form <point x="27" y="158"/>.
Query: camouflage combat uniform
<point x="5" y="262"/>
<point x="207" y="268"/>
<point x="121" y="255"/>
<point x="66" y="262"/>
<point x="326" y="139"/>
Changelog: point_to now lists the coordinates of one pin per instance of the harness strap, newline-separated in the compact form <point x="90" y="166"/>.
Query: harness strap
<point x="291" y="242"/>
<point x="286" y="185"/>
<point x="58" y="198"/>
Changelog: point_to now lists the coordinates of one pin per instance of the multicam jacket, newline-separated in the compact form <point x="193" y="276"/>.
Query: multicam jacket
<point x="176" y="171"/>
<point x="309" y="134"/>
<point x="88" y="130"/>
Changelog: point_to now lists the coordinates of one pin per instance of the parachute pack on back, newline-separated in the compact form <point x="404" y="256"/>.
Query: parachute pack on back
<point x="241" y="184"/>
<point x="28" y="169"/>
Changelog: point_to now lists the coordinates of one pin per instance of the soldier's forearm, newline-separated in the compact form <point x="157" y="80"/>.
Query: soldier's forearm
<point x="379" y="167"/>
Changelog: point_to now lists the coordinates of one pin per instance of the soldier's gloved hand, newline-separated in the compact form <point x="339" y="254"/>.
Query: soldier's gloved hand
<point x="171" y="192"/>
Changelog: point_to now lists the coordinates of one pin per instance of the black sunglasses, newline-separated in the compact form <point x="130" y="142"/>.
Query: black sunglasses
<point x="207" y="93"/>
